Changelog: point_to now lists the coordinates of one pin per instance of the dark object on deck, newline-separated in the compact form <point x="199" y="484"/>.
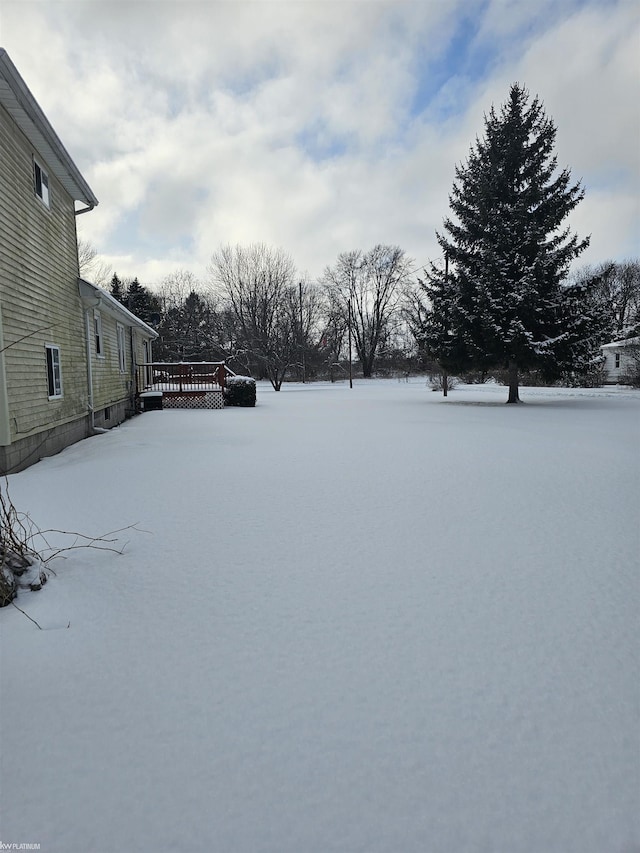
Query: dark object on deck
<point x="240" y="391"/>
<point x="151" y="401"/>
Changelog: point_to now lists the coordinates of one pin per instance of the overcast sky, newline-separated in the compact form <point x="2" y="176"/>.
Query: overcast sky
<point x="320" y="127"/>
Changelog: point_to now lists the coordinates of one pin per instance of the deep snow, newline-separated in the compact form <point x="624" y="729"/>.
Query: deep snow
<point x="370" y="620"/>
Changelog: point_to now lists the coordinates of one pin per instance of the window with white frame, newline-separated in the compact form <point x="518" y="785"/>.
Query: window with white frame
<point x="97" y="334"/>
<point x="41" y="183"/>
<point x="121" y="348"/>
<point x="146" y="354"/>
<point x="617" y="360"/>
<point x="54" y="373"/>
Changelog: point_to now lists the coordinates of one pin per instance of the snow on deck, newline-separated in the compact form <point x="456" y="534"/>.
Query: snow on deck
<point x="371" y="620"/>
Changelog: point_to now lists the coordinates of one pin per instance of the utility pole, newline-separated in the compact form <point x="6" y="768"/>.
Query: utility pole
<point x="350" y="359"/>
<point x="445" y="376"/>
<point x="304" y="370"/>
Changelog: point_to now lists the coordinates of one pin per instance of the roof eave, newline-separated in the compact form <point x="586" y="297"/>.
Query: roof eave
<point x="26" y="112"/>
<point x="95" y="297"/>
<point x="627" y="342"/>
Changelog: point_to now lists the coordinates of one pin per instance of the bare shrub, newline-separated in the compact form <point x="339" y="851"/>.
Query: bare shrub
<point x="436" y="381"/>
<point x="26" y="551"/>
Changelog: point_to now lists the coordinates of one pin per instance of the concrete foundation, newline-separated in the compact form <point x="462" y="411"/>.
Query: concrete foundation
<point x="27" y="451"/>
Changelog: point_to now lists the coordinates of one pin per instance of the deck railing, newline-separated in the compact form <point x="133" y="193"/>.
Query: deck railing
<point x="182" y="377"/>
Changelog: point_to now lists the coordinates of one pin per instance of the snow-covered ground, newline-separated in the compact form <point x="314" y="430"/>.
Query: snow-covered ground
<point x="370" y="620"/>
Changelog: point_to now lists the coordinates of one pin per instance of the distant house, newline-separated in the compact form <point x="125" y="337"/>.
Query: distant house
<point x="67" y="352"/>
<point x="621" y="358"/>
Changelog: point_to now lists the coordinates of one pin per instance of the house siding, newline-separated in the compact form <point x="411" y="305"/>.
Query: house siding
<point x="5" y="432"/>
<point x="626" y="363"/>
<point x="39" y="269"/>
<point x="110" y="386"/>
<point x="140" y="357"/>
<point x="42" y="300"/>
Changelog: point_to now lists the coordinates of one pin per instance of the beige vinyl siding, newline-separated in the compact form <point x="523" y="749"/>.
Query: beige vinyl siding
<point x="5" y="432"/>
<point x="38" y="291"/>
<point x="109" y="384"/>
<point x="138" y="347"/>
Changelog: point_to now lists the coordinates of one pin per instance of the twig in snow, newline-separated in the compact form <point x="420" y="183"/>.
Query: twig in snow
<point x="24" y="613"/>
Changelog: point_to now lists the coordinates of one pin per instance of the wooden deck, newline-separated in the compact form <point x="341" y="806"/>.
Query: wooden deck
<point x="184" y="384"/>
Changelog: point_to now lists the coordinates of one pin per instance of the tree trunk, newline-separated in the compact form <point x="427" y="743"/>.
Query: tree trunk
<point x="275" y="379"/>
<point x="514" y="396"/>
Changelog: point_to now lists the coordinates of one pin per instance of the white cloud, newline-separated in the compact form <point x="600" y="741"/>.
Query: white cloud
<point x="201" y="123"/>
<point x="585" y="72"/>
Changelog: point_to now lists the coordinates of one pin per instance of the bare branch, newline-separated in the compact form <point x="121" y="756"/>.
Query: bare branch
<point x="31" y="619"/>
<point x="26" y="552"/>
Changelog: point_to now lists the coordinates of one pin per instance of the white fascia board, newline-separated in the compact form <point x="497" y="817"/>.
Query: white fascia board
<point x="95" y="297"/>
<point x="23" y="108"/>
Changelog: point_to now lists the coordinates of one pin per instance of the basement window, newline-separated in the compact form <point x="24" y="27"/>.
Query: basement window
<point x="54" y="373"/>
<point x="41" y="182"/>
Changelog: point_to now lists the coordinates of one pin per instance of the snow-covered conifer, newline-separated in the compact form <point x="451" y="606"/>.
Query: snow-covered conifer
<point x="509" y="247"/>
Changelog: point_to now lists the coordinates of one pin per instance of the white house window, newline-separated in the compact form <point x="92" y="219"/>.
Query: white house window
<point x="41" y="180"/>
<point x="617" y="360"/>
<point x="54" y="375"/>
<point x="121" y="349"/>
<point x="146" y="349"/>
<point x="97" y="333"/>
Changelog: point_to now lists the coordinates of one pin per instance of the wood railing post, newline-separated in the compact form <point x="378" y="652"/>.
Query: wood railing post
<point x="181" y="377"/>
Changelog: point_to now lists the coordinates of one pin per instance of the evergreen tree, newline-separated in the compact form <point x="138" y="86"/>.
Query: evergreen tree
<point x="509" y="249"/>
<point x="196" y="330"/>
<point x="144" y="304"/>
<point x="117" y="290"/>
<point x="588" y="324"/>
<point x="433" y="323"/>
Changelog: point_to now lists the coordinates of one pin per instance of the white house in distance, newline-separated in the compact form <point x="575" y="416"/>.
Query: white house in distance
<point x="68" y="350"/>
<point x="621" y="359"/>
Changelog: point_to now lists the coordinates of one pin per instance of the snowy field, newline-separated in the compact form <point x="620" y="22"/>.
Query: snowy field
<point x="368" y="621"/>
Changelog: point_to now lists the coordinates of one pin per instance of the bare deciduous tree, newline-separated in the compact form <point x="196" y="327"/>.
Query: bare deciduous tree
<point x="258" y="283"/>
<point x="618" y="284"/>
<point x="372" y="283"/>
<point x="175" y="287"/>
<point x="307" y="310"/>
<point x="91" y="266"/>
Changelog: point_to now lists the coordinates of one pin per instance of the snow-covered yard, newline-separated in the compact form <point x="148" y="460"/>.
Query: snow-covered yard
<point x="370" y="620"/>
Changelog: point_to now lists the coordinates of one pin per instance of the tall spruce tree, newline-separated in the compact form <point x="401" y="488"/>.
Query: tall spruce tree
<point x="117" y="291"/>
<point x="509" y="249"/>
<point x="143" y="303"/>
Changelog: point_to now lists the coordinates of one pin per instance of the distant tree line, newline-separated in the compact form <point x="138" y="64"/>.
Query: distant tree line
<point x="257" y="314"/>
<point x="501" y="302"/>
